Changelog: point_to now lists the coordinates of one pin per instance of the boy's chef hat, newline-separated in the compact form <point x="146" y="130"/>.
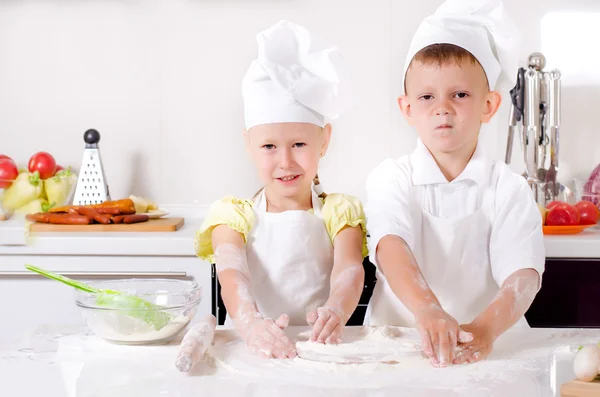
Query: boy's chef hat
<point x="481" y="27"/>
<point x="295" y="79"/>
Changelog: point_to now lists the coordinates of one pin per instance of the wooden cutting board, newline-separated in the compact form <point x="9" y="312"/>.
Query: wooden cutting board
<point x="576" y="388"/>
<point x="152" y="225"/>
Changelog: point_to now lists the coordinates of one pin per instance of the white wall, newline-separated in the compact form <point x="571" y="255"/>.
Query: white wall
<point x="160" y="80"/>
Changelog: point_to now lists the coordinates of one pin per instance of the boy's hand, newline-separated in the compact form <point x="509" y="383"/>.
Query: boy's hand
<point x="479" y="348"/>
<point x="440" y="334"/>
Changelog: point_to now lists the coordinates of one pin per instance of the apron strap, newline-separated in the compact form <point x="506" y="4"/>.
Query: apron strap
<point x="260" y="204"/>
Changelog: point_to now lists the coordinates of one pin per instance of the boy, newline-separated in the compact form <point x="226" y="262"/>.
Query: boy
<point x="456" y="238"/>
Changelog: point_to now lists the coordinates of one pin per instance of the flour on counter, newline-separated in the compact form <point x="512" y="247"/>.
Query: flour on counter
<point x="515" y="359"/>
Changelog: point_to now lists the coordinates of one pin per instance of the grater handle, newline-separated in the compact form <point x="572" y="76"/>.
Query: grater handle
<point x="91" y="138"/>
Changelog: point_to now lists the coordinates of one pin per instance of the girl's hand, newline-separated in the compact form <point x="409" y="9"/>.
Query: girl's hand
<point x="266" y="338"/>
<point x="328" y="324"/>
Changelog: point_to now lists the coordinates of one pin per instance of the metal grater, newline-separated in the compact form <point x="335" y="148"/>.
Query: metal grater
<point x="91" y="185"/>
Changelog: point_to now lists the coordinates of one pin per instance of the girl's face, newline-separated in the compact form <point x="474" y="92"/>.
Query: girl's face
<point x="287" y="155"/>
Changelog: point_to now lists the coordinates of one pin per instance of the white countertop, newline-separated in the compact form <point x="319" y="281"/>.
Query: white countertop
<point x="60" y="361"/>
<point x="181" y="243"/>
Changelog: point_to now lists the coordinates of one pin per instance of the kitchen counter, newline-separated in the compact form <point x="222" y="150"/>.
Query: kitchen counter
<point x="583" y="245"/>
<point x="13" y="240"/>
<point x="63" y="361"/>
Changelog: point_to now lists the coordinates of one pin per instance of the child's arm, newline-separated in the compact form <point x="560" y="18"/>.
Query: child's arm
<point x="347" y="280"/>
<point x="439" y="331"/>
<point x="509" y="305"/>
<point x="517" y="259"/>
<point x="263" y="336"/>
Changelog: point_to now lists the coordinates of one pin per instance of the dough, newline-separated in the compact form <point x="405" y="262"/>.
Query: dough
<point x="363" y="344"/>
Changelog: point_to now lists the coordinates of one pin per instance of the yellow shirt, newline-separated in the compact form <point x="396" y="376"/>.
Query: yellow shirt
<point x="339" y="211"/>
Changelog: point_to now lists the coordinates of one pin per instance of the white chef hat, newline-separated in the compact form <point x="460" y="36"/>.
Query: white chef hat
<point x="295" y="79"/>
<point x="481" y="27"/>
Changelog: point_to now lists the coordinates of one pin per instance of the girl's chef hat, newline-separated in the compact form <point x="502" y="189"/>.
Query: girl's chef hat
<point x="481" y="27"/>
<point x="295" y="79"/>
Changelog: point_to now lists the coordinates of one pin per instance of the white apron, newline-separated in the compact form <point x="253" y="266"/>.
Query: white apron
<point x="290" y="258"/>
<point x="453" y="255"/>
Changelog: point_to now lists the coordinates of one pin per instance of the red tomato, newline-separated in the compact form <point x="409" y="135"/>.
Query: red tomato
<point x="588" y="213"/>
<point x="59" y="168"/>
<point x="3" y="156"/>
<point x="562" y="214"/>
<point x="44" y="163"/>
<point x="8" y="172"/>
<point x="553" y="204"/>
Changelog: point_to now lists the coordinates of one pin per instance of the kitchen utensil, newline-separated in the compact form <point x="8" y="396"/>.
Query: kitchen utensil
<point x="91" y="186"/>
<point x="130" y="305"/>
<point x="177" y="299"/>
<point x="195" y="343"/>
<point x="535" y="114"/>
<point x="575" y="229"/>
<point x="152" y="225"/>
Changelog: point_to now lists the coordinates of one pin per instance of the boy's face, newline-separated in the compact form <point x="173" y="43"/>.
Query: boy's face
<point x="447" y="104"/>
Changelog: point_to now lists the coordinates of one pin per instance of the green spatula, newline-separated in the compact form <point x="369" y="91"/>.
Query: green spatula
<point x="129" y="305"/>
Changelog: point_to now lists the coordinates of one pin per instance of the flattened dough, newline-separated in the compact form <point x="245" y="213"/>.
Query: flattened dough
<point x="363" y="344"/>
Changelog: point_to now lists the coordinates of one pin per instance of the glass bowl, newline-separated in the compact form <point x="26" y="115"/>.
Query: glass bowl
<point x="586" y="191"/>
<point x="174" y="300"/>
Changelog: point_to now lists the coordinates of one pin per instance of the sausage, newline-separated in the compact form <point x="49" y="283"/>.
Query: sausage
<point x="109" y="210"/>
<point x="38" y="217"/>
<point x="126" y="206"/>
<point x="59" y="219"/>
<point x="92" y="213"/>
<point x="135" y="218"/>
<point x="118" y="218"/>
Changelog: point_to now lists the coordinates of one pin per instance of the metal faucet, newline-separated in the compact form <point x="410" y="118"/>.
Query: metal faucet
<point x="535" y="113"/>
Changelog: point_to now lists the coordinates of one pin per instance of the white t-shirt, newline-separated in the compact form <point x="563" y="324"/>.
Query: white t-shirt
<point x="515" y="239"/>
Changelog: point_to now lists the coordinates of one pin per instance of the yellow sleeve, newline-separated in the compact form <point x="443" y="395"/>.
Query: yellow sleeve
<point x="341" y="210"/>
<point x="236" y="213"/>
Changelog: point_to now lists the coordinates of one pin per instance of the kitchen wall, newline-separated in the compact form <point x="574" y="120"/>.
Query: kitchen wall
<point x="161" y="82"/>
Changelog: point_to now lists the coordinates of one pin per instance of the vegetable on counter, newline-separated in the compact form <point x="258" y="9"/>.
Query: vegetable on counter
<point x="26" y="188"/>
<point x="587" y="363"/>
<point x="43" y="163"/>
<point x="592" y="187"/>
<point x="35" y="206"/>
<point x="588" y="212"/>
<point x="8" y="171"/>
<point x="558" y="213"/>
<point x="58" y="188"/>
<point x="562" y="214"/>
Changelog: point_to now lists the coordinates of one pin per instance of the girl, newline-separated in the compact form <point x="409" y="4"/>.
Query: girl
<point x="288" y="256"/>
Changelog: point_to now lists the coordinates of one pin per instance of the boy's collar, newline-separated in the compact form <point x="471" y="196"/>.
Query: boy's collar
<point x="426" y="170"/>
